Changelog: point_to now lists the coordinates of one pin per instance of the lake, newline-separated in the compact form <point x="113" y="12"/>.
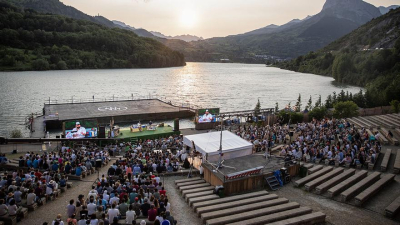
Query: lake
<point x="227" y="86"/>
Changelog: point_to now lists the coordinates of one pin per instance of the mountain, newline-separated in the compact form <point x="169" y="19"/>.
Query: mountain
<point x="37" y="41"/>
<point x="337" y="18"/>
<point x="368" y="56"/>
<point x="385" y="10"/>
<point x="184" y="37"/>
<point x="122" y="24"/>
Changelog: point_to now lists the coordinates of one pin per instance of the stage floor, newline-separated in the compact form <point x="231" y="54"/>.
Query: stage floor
<point x="160" y="132"/>
<point x="248" y="162"/>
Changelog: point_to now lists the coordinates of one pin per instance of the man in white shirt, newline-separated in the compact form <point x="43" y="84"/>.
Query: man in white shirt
<point x="77" y="132"/>
<point x="113" y="212"/>
<point x="30" y="198"/>
<point x="206" y="118"/>
<point x="91" y="207"/>
<point x="114" y="200"/>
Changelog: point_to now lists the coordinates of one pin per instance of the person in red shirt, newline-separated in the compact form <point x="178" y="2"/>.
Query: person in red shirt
<point x="163" y="192"/>
<point x="152" y="214"/>
<point x="38" y="174"/>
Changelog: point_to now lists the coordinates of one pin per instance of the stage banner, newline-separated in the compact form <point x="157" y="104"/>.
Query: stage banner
<point x="207" y="115"/>
<point x="80" y="129"/>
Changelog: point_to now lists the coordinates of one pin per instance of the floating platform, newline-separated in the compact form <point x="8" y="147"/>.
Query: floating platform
<point x="121" y="111"/>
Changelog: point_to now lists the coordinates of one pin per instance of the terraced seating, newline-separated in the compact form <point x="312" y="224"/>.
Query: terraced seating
<point x="251" y="214"/>
<point x="311" y="185"/>
<point x="203" y="198"/>
<point x="193" y="186"/>
<point x="332" y="192"/>
<point x="358" y="187"/>
<point x="198" y="194"/>
<point x="377" y="119"/>
<point x="196" y="190"/>
<point x="308" y="166"/>
<point x="392" y="209"/>
<point x="313" y="176"/>
<point x="190" y="183"/>
<point x="389" y="123"/>
<point x="242" y="202"/>
<point x="372" y="165"/>
<point x="313" y="218"/>
<point x="229" y="199"/>
<point x="356" y="123"/>
<point x="371" y="123"/>
<point x="381" y="137"/>
<point x="385" y="160"/>
<point x="339" y="178"/>
<point x="243" y="208"/>
<point x="391" y="139"/>
<point x="74" y="177"/>
<point x="393" y="118"/>
<point x="187" y="180"/>
<point x="375" y="188"/>
<point x="363" y="122"/>
<point x="314" y="169"/>
<point x="396" y="167"/>
<point x="275" y="216"/>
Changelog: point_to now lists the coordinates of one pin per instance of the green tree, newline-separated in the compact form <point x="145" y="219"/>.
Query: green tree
<point x="329" y="102"/>
<point x="395" y="106"/>
<point x="257" y="109"/>
<point x="298" y="104"/>
<point x="40" y="64"/>
<point x="309" y="104"/>
<point x="318" y="103"/>
<point x="61" y="65"/>
<point x="345" y="109"/>
<point x="16" y="133"/>
<point x="318" y="113"/>
<point x="276" y="107"/>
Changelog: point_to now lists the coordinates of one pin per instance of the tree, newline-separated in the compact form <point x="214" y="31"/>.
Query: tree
<point x="298" y="104"/>
<point x="309" y="104"/>
<point x="328" y="102"/>
<point x="395" y="106"/>
<point x="257" y="109"/>
<point x="318" y="103"/>
<point x="318" y="113"/>
<point x="345" y="109"/>
<point x="40" y="64"/>
<point x="276" y="107"/>
<point x="16" y="133"/>
<point x="61" y="65"/>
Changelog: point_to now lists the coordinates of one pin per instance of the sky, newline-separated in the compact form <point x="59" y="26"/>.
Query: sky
<point x="205" y="18"/>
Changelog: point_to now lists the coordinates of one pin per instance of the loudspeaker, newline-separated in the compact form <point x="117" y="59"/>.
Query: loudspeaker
<point x="176" y="124"/>
<point x="98" y="163"/>
<point x="62" y="136"/>
<point x="57" y="136"/>
<point x="102" y="132"/>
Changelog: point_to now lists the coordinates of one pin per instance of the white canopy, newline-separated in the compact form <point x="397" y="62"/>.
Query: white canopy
<point x="233" y="146"/>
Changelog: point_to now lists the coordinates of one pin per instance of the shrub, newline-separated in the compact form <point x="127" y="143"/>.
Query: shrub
<point x="345" y="109"/>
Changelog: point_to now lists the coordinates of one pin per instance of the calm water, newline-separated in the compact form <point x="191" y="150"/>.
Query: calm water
<point x="228" y="86"/>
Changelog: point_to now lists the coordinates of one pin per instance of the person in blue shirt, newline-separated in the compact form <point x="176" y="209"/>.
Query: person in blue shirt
<point x="78" y="171"/>
<point x="35" y="163"/>
<point x="68" y="168"/>
<point x="29" y="163"/>
<point x="54" y="167"/>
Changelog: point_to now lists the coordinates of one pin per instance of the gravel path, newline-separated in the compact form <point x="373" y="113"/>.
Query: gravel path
<point x="49" y="212"/>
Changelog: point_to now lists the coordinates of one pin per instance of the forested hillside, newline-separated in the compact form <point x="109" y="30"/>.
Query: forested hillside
<point x="35" y="41"/>
<point x="368" y="57"/>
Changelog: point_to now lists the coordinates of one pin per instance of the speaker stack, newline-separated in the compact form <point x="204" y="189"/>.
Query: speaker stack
<point x="102" y="132"/>
<point x="176" y="124"/>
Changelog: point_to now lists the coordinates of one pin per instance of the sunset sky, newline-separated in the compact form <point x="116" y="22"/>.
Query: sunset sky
<point x="205" y="18"/>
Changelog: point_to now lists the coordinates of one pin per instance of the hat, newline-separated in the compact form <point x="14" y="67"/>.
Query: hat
<point x="142" y="222"/>
<point x="77" y="123"/>
<point x="206" y="110"/>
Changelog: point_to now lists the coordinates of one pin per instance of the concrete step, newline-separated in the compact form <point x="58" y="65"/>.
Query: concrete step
<point x="392" y="209"/>
<point x="337" y="189"/>
<point x="213" y="208"/>
<point x="302" y="181"/>
<point x="313" y="218"/>
<point x="396" y="166"/>
<point x="190" y="183"/>
<point x="308" y="166"/>
<point x="193" y="186"/>
<point x="202" y="199"/>
<point x="320" y="189"/>
<point x="187" y="180"/>
<point x="251" y="214"/>
<point x="373" y="189"/>
<point x="386" y="159"/>
<point x="198" y="194"/>
<point x="314" y="169"/>
<point x="229" y="199"/>
<point x="312" y="184"/>
<point x="358" y="187"/>
<point x="196" y="190"/>
<point x="275" y="217"/>
<point x="242" y="208"/>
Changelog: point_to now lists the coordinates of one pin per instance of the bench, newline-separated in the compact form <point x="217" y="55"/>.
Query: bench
<point x="372" y="124"/>
<point x="32" y="207"/>
<point x="314" y="169"/>
<point x="251" y="214"/>
<point x="9" y="220"/>
<point x="372" y="165"/>
<point x="187" y="180"/>
<point x="196" y="190"/>
<point x="203" y="198"/>
<point x="69" y="184"/>
<point x="330" y="183"/>
<point x="302" y="181"/>
<point x="372" y="190"/>
<point x="193" y="186"/>
<point x="198" y="194"/>
<point x="392" y="209"/>
<point x="43" y="201"/>
<point x="388" y="122"/>
<point x="313" y="218"/>
<point x="275" y="217"/>
<point x="356" y="188"/>
<point x="381" y="137"/>
<point x="190" y="183"/>
<point x="311" y="185"/>
<point x="385" y="160"/>
<point x="381" y="121"/>
<point x="74" y="177"/>
<point x="24" y="212"/>
<point x="362" y="122"/>
<point x="308" y="166"/>
<point x="396" y="167"/>
<point x="229" y="199"/>
<point x="332" y="192"/>
<point x="243" y="208"/>
<point x="352" y="121"/>
<point x="392" y="139"/>
<point x="63" y="189"/>
<point x="214" y="208"/>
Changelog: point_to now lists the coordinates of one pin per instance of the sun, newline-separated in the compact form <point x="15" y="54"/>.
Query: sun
<point x="188" y="18"/>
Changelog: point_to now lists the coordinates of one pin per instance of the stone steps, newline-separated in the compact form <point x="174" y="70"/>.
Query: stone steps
<point x="202" y="199"/>
<point x="396" y="168"/>
<point x="313" y="218"/>
<point x="193" y="186"/>
<point x="385" y="160"/>
<point x="314" y="169"/>
<point x="190" y="183"/>
<point x="196" y="190"/>
<point x="311" y="185"/>
<point x="302" y="181"/>
<point x="337" y="189"/>
<point x="358" y="187"/>
<point x="392" y="209"/>
<point x="187" y="180"/>
<point x="320" y="189"/>
<point x="373" y="189"/>
<point x="198" y="194"/>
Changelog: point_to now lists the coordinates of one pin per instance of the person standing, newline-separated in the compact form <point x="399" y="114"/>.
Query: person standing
<point x="71" y="208"/>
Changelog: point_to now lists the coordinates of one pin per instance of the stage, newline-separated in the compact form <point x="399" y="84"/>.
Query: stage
<point x="160" y="132"/>
<point x="245" y="173"/>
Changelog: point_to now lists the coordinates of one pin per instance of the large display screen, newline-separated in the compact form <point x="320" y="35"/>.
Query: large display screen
<point x="207" y="115"/>
<point x="81" y="129"/>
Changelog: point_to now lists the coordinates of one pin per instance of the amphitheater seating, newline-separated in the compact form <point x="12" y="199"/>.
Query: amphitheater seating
<point x="332" y="192"/>
<point x="313" y="176"/>
<point x="396" y="167"/>
<point x="375" y="188"/>
<point x="391" y="139"/>
<point x="314" y="169"/>
<point x="392" y="209"/>
<point x="196" y="190"/>
<point x="313" y="218"/>
<point x="312" y="184"/>
<point x="356" y="188"/>
<point x="341" y="177"/>
<point x="385" y="160"/>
